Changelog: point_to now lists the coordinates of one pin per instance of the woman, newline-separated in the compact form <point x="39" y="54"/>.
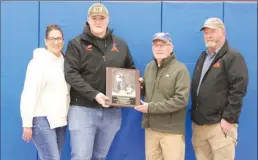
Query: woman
<point x="45" y="97"/>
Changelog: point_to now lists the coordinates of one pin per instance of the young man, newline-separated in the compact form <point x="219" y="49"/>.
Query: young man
<point x="92" y="124"/>
<point x="166" y="84"/>
<point x="218" y="86"/>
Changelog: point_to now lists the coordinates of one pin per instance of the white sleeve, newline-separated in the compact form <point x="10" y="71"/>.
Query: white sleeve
<point x="32" y="89"/>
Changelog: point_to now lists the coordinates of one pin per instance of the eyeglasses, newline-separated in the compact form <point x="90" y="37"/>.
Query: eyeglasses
<point x="53" y="39"/>
<point x="160" y="45"/>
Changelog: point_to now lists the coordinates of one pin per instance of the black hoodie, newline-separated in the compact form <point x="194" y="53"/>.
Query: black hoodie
<point x="86" y="59"/>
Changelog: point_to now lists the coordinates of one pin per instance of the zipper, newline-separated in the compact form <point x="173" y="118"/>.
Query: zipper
<point x="98" y="48"/>
<point x="104" y="59"/>
<point x="155" y="82"/>
<point x="170" y="118"/>
<point x="158" y="70"/>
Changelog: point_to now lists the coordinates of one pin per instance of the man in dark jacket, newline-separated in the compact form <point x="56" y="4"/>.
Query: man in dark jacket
<point x="218" y="86"/>
<point x="92" y="123"/>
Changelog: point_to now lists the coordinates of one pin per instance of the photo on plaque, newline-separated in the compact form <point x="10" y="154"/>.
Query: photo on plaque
<point x="123" y="87"/>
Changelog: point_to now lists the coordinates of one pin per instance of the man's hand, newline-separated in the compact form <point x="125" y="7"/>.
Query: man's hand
<point x="142" y="108"/>
<point x="225" y="126"/>
<point x="101" y="99"/>
<point x="27" y="134"/>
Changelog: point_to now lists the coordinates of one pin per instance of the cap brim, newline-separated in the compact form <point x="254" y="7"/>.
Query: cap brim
<point x="208" y="26"/>
<point x="159" y="38"/>
<point x="98" y="14"/>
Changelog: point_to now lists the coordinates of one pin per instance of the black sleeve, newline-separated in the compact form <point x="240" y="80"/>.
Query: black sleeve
<point x="72" y="73"/>
<point x="129" y="60"/>
<point x="237" y="74"/>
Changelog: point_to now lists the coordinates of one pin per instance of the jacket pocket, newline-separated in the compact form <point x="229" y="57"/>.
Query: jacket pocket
<point x="221" y="106"/>
<point x="145" y="120"/>
<point x="158" y="119"/>
<point x="211" y="105"/>
<point x="170" y="118"/>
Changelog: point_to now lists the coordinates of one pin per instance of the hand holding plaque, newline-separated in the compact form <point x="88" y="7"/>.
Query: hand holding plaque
<point x="123" y="87"/>
<point x="101" y="99"/>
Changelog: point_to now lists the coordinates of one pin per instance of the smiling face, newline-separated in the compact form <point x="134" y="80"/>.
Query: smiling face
<point x="54" y="40"/>
<point x="98" y="24"/>
<point x="161" y="49"/>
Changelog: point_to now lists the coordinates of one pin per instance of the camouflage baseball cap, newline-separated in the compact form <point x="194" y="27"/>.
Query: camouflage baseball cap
<point x="213" y="23"/>
<point x="98" y="9"/>
<point x="162" y="36"/>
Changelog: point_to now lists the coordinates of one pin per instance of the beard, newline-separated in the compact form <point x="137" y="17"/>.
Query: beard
<point x="210" y="44"/>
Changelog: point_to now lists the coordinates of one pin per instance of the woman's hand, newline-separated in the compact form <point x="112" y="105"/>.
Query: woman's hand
<point x="27" y="134"/>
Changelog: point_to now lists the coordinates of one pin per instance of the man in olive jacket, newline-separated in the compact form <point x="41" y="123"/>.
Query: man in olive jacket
<point x="166" y="86"/>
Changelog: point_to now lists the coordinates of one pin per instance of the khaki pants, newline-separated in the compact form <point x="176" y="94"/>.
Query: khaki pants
<point x="164" y="146"/>
<point x="210" y="142"/>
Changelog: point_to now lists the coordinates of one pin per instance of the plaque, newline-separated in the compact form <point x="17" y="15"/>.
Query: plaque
<point x="122" y="87"/>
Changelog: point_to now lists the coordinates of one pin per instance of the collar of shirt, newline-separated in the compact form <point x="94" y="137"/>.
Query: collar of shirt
<point x="213" y="55"/>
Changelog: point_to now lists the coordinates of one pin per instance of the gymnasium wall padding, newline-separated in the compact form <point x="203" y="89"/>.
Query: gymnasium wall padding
<point x="241" y="22"/>
<point x="19" y="36"/>
<point x="23" y="26"/>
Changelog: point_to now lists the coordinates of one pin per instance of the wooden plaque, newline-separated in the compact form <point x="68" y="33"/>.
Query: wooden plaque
<point x="123" y="87"/>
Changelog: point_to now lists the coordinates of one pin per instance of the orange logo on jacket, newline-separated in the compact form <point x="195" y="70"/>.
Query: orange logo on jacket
<point x="216" y="65"/>
<point x="114" y="48"/>
<point x="89" y="47"/>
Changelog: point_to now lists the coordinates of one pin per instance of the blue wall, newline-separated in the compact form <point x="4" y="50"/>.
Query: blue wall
<point x="23" y="28"/>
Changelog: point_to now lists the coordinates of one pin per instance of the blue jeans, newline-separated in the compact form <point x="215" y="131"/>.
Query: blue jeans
<point x="48" y="142"/>
<point x="92" y="131"/>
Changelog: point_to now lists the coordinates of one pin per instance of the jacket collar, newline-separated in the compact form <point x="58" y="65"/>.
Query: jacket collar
<point x="220" y="52"/>
<point x="219" y="55"/>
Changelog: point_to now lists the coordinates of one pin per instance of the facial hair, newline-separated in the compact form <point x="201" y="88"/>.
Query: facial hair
<point x="210" y="44"/>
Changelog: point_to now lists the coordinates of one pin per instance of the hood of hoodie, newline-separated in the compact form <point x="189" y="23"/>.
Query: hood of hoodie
<point x="87" y="35"/>
<point x="44" y="58"/>
<point x="42" y="54"/>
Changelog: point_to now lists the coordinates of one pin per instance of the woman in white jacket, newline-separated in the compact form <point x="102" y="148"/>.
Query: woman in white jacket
<point x="45" y="97"/>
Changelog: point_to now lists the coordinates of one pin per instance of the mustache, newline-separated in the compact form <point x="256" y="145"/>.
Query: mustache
<point x="210" y="44"/>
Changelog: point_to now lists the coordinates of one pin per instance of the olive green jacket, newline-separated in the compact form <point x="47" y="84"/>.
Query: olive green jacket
<point x="166" y="89"/>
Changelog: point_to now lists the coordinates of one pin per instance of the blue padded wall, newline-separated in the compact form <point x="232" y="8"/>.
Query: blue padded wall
<point x="70" y="16"/>
<point x="183" y="21"/>
<point x="241" y="25"/>
<point x="19" y="36"/>
<point x="23" y="27"/>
